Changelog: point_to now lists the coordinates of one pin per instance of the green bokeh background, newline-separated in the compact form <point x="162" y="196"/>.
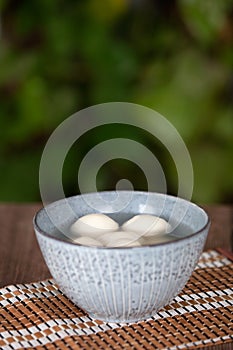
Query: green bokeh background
<point x="57" y="57"/>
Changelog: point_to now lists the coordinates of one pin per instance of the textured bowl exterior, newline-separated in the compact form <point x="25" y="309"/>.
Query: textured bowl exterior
<point x="122" y="285"/>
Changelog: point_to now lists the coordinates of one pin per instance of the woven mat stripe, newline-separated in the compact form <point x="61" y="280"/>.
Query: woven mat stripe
<point x="41" y="289"/>
<point x="212" y="258"/>
<point x="201" y="280"/>
<point x="79" y="323"/>
<point x="210" y="279"/>
<point x="160" y="333"/>
<point x="103" y="344"/>
<point x="68" y="343"/>
<point x="85" y="324"/>
<point x="61" y="308"/>
<point x="213" y="263"/>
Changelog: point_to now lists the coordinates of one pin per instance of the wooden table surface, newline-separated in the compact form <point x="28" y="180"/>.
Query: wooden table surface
<point x="22" y="262"/>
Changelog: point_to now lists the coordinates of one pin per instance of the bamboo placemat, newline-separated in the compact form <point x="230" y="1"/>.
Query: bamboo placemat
<point x="39" y="316"/>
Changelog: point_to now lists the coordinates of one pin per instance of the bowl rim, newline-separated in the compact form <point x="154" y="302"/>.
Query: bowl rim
<point x="44" y="233"/>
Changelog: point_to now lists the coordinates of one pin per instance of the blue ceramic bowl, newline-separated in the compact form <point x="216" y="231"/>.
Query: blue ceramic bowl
<point x="121" y="284"/>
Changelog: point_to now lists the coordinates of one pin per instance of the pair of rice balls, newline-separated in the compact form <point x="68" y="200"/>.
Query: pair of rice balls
<point x="100" y="230"/>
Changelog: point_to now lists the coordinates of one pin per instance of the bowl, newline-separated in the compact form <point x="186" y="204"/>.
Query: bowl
<point x="125" y="284"/>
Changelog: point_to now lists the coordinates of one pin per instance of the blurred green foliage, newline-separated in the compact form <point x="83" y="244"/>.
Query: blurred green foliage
<point x="57" y="57"/>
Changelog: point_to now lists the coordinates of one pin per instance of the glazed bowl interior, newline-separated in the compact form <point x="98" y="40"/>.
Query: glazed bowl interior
<point x="55" y="219"/>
